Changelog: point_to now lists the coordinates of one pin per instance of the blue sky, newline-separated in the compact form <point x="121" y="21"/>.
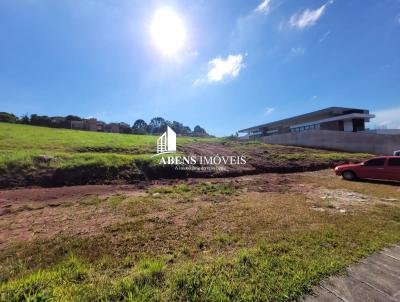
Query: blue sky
<point x="242" y="62"/>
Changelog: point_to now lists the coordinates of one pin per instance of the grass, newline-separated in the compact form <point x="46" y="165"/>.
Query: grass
<point x="331" y="156"/>
<point x="182" y="245"/>
<point x="32" y="155"/>
<point x="24" y="147"/>
<point x="219" y="240"/>
<point x="277" y="270"/>
<point x="279" y="153"/>
<point x="14" y="136"/>
<point x="205" y="188"/>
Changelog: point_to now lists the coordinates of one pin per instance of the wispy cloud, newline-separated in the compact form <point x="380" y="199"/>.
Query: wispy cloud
<point x="324" y="36"/>
<point x="193" y="53"/>
<point x="387" y="118"/>
<point x="220" y="69"/>
<point x="397" y="19"/>
<point x="308" y="17"/>
<point x="249" y="27"/>
<point x="269" y="110"/>
<point x="298" y="51"/>
<point x="263" y="7"/>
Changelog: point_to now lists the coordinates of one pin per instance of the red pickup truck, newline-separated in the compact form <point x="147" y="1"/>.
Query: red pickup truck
<point x="381" y="168"/>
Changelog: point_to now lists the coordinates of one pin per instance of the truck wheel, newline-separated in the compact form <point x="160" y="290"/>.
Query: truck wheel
<point x="349" y="175"/>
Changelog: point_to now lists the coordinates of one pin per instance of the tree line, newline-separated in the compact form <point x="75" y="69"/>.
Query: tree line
<point x="156" y="125"/>
<point x="159" y="125"/>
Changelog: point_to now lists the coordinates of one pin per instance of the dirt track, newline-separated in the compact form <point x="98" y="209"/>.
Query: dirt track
<point x="28" y="214"/>
<point x="41" y="213"/>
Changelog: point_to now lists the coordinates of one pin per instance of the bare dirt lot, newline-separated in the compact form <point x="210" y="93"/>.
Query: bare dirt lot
<point x="298" y="227"/>
<point x="42" y="213"/>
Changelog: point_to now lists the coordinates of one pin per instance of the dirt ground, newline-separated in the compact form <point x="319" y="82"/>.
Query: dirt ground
<point x="41" y="213"/>
<point x="263" y="158"/>
<point x="260" y="158"/>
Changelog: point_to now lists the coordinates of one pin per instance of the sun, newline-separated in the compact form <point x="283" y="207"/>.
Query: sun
<point x="168" y="31"/>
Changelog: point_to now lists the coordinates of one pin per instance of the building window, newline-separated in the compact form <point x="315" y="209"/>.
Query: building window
<point x="304" y="128"/>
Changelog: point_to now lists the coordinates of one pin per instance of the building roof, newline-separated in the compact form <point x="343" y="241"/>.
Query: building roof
<point x="297" y="118"/>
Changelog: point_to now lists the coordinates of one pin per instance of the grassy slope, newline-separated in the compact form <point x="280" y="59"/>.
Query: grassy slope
<point x="248" y="246"/>
<point x="21" y="144"/>
<point x="293" y="154"/>
<point x="23" y="147"/>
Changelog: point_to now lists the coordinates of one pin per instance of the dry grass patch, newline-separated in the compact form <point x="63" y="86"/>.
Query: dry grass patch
<point x="205" y="241"/>
<point x="383" y="190"/>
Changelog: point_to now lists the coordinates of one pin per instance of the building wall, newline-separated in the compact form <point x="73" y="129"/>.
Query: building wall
<point x="114" y="128"/>
<point x="348" y="125"/>
<point x="91" y="124"/>
<point x="77" y="125"/>
<point x="384" y="131"/>
<point x="380" y="144"/>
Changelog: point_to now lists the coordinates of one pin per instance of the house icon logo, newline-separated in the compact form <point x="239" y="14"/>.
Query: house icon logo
<point x="166" y="143"/>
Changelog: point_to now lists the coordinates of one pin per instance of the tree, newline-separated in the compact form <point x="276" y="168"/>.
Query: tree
<point x="139" y="124"/>
<point x="179" y="128"/>
<point x="71" y="118"/>
<point x="186" y="130"/>
<point x="24" y="119"/>
<point x="8" y="117"/>
<point x="139" y="127"/>
<point x="198" y="131"/>
<point x="40" y="120"/>
<point x="157" y="125"/>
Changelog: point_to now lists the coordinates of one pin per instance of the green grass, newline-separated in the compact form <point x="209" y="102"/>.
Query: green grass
<point x="205" y="188"/>
<point x="23" y="146"/>
<point x="342" y="156"/>
<point x="24" y="137"/>
<point x="248" y="246"/>
<point x="25" y="159"/>
<point x="328" y="156"/>
<point x="203" y="241"/>
<point x="280" y="153"/>
<point x="278" y="270"/>
<point x="26" y="147"/>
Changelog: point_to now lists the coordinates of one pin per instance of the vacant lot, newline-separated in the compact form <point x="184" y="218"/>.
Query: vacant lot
<point x="204" y="237"/>
<point x="266" y="237"/>
<point x="32" y="155"/>
<point x="22" y="146"/>
<point x="56" y="157"/>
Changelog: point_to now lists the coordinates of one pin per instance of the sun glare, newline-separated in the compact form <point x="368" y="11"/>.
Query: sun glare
<point x="168" y="31"/>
